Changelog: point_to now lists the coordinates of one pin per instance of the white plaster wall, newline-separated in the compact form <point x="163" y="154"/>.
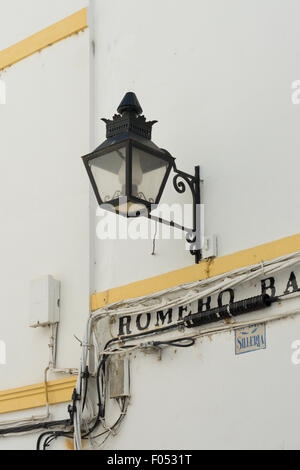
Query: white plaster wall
<point x="217" y="75"/>
<point x="44" y="196"/>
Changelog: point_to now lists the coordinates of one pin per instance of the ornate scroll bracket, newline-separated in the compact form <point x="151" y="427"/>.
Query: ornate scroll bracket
<point x="181" y="182"/>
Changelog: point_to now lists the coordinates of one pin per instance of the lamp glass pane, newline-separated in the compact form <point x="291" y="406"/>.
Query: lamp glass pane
<point x="110" y="174"/>
<point x="148" y="172"/>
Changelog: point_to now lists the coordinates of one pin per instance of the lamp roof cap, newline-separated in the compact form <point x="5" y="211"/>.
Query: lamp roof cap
<point x="130" y="103"/>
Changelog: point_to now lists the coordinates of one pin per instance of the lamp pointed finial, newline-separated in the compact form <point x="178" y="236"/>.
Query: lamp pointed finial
<point x="130" y="103"/>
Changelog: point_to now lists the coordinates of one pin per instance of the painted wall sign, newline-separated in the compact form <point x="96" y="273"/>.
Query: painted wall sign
<point x="283" y="283"/>
<point x="250" y="338"/>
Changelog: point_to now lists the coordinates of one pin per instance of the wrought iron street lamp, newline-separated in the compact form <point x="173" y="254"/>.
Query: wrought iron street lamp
<point x="129" y="172"/>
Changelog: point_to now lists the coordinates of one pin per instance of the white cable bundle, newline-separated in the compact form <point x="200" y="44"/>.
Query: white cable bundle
<point x="195" y="290"/>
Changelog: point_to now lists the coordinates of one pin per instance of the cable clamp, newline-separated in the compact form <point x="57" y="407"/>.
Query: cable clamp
<point x="262" y="264"/>
<point x="71" y="410"/>
<point x="107" y="428"/>
<point x="88" y="345"/>
<point x="149" y="344"/>
<point x="85" y="374"/>
<point x="228" y="310"/>
<point x="75" y="396"/>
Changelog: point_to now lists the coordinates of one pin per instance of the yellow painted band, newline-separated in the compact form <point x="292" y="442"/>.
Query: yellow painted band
<point x="197" y="272"/>
<point x="33" y="396"/>
<point x="54" y="33"/>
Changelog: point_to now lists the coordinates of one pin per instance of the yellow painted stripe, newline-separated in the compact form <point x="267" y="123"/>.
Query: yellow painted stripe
<point x="203" y="270"/>
<point x="54" y="33"/>
<point x="33" y="396"/>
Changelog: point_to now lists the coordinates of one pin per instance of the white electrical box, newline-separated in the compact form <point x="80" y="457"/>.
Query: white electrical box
<point x="44" y="301"/>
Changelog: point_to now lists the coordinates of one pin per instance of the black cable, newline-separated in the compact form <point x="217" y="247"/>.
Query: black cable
<point x="38" y="444"/>
<point x="33" y="427"/>
<point x="52" y="435"/>
<point x="119" y="420"/>
<point x="146" y="333"/>
<point x="101" y="406"/>
<point x="99" y="415"/>
<point x="101" y="367"/>
<point x="178" y="343"/>
<point x="86" y="377"/>
<point x="48" y="440"/>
